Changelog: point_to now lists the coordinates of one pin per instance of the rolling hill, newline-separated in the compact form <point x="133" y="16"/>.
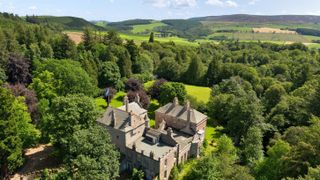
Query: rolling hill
<point x="64" y="22"/>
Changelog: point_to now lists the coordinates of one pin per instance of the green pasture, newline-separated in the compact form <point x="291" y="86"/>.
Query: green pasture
<point x="146" y="27"/>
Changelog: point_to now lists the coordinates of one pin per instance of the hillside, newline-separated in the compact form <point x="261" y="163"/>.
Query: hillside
<point x="262" y="19"/>
<point x="64" y="22"/>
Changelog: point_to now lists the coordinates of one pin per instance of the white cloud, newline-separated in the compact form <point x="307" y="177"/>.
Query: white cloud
<point x="231" y="4"/>
<point x="33" y="8"/>
<point x="222" y="3"/>
<point x="215" y="2"/>
<point x="172" y="3"/>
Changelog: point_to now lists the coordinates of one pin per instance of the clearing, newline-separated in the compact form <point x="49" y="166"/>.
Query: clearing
<point x="37" y="159"/>
<point x="201" y="93"/>
<point x="143" y="28"/>
<point x="75" y="36"/>
<point x="273" y="30"/>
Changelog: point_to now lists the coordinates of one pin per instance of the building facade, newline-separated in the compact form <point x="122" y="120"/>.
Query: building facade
<point x="177" y="136"/>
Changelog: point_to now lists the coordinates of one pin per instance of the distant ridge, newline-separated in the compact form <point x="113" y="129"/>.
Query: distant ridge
<point x="65" y="22"/>
<point x="261" y="18"/>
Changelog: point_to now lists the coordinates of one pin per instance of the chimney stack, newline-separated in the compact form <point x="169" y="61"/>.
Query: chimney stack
<point x="170" y="132"/>
<point x="114" y="120"/>
<point x="147" y="121"/>
<point x="175" y="101"/>
<point x="126" y="103"/>
<point x="187" y="105"/>
<point x="137" y="99"/>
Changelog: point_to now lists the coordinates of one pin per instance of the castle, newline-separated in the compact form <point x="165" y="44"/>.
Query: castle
<point x="178" y="135"/>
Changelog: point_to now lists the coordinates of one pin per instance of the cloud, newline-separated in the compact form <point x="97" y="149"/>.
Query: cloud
<point x="215" y="2"/>
<point x="231" y="4"/>
<point x="172" y="3"/>
<point x="222" y="3"/>
<point x="33" y="8"/>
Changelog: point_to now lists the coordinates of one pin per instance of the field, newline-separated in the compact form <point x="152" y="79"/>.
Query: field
<point x="272" y="30"/>
<point x="146" y="27"/>
<point x="141" y="38"/>
<point x="198" y="92"/>
<point x="75" y="36"/>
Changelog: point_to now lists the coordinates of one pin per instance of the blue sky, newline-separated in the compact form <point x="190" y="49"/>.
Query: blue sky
<point x="115" y="10"/>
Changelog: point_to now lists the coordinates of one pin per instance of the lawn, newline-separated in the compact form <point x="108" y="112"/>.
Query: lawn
<point x="146" y="27"/>
<point x="199" y="92"/>
<point x="117" y="101"/>
<point x="141" y="38"/>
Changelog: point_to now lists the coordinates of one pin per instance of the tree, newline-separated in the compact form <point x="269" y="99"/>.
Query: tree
<point x="71" y="77"/>
<point x="30" y="97"/>
<point x="273" y="96"/>
<point x="236" y="107"/>
<point x="143" y="64"/>
<point x="63" y="47"/>
<point x="133" y="51"/>
<point x="168" y="69"/>
<point x="133" y="85"/>
<point x="272" y="166"/>
<point x="18" y="70"/>
<point x="212" y="75"/>
<point x="290" y="111"/>
<point x="124" y="63"/>
<point x="205" y="168"/>
<point x="194" y="74"/>
<point x="91" y="155"/>
<point x="3" y="76"/>
<point x="154" y="91"/>
<point x="137" y="174"/>
<point x="221" y="164"/>
<point x="16" y="133"/>
<point x="170" y="90"/>
<point x="69" y="114"/>
<point x="109" y="75"/>
<point x="151" y="38"/>
<point x="10" y="142"/>
<point x="45" y="85"/>
<point x="88" y="39"/>
<point x="252" y="146"/>
<point x="46" y="50"/>
<point x="313" y="173"/>
<point x="143" y="98"/>
<point x="112" y="38"/>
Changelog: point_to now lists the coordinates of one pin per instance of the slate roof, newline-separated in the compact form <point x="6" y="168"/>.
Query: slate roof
<point x="181" y="112"/>
<point x="134" y="107"/>
<point x="122" y="118"/>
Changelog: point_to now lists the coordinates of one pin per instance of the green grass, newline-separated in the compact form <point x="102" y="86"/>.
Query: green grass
<point x="146" y="27"/>
<point x="141" y="38"/>
<point x="116" y="102"/>
<point x="199" y="92"/>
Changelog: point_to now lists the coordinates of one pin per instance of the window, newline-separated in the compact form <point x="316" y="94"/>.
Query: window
<point x="165" y="162"/>
<point x="165" y="174"/>
<point x="117" y="137"/>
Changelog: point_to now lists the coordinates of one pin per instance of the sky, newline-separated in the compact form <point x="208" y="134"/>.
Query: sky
<point x="117" y="10"/>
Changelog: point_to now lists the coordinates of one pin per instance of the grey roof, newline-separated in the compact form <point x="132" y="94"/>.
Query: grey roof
<point x="154" y="132"/>
<point x="159" y="149"/>
<point x="135" y="108"/>
<point x="181" y="112"/>
<point x="122" y="118"/>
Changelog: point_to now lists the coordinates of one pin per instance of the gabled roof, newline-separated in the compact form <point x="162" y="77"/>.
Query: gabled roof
<point x="119" y="117"/>
<point x="181" y="112"/>
<point x="134" y="107"/>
